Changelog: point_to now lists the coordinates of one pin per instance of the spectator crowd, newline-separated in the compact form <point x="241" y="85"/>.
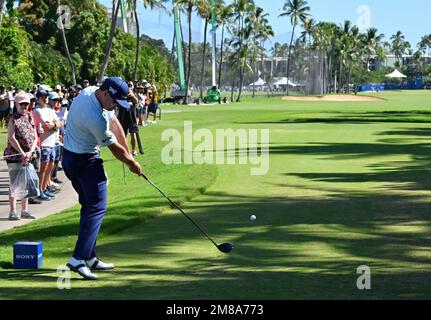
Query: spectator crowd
<point x="36" y="122"/>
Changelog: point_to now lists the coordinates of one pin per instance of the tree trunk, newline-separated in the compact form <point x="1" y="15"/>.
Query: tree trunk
<point x="233" y="87"/>
<point x="221" y="58"/>
<point x="288" y="59"/>
<point x="203" y="59"/>
<point x="322" y="60"/>
<point x="1" y="10"/>
<point x="341" y="77"/>
<point x="66" y="47"/>
<point x="171" y="58"/>
<point x="189" y="73"/>
<point x="138" y="47"/>
<point x="254" y="76"/>
<point x="241" y="82"/>
<point x="241" y="71"/>
<point x="114" y="5"/>
<point x="109" y="44"/>
<point x="350" y="79"/>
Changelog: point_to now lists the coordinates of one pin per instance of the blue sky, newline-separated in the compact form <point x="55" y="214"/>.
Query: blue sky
<point x="412" y="17"/>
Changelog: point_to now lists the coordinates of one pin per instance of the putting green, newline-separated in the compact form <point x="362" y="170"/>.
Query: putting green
<point x="348" y="185"/>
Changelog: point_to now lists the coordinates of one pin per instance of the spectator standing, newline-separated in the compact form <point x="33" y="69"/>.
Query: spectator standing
<point x="22" y="141"/>
<point x="36" y="159"/>
<point x="47" y="124"/>
<point x="4" y="106"/>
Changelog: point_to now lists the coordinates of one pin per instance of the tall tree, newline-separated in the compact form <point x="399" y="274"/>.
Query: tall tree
<point x="297" y="11"/>
<point x="240" y="10"/>
<point x="107" y="53"/>
<point x="189" y="6"/>
<point x="258" y="32"/>
<point x="425" y="44"/>
<point x="224" y="14"/>
<point x="66" y="46"/>
<point x="372" y="42"/>
<point x="132" y="5"/>
<point x="399" y="46"/>
<point x="204" y="10"/>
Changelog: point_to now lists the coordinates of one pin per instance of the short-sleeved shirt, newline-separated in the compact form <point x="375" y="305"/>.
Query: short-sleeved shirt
<point x="25" y="134"/>
<point x="88" y="124"/>
<point x="49" y="137"/>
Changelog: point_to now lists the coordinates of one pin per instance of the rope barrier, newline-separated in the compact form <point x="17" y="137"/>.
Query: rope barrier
<point x="3" y="158"/>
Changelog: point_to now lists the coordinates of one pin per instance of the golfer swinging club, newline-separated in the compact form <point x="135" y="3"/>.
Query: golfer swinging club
<point x="92" y="124"/>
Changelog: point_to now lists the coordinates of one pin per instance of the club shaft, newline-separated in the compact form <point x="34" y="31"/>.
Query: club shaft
<point x="185" y="214"/>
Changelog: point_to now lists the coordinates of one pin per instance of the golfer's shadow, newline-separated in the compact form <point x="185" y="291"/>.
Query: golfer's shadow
<point x="8" y="272"/>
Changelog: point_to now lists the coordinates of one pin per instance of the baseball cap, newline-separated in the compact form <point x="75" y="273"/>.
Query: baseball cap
<point x="58" y="87"/>
<point x="31" y="96"/>
<point x="22" y="97"/>
<point x="78" y="86"/>
<point x="53" y="96"/>
<point x="118" y="89"/>
<point x="41" y="93"/>
<point x="45" y="87"/>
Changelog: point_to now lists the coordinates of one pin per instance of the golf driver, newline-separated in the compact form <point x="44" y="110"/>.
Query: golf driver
<point x="224" y="247"/>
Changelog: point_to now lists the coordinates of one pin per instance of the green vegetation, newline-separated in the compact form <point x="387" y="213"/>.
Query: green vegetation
<point x="348" y="185"/>
<point x="32" y="50"/>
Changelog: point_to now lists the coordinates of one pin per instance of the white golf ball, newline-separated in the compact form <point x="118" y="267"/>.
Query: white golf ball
<point x="253" y="218"/>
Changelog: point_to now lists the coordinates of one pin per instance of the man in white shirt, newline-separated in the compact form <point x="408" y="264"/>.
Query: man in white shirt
<point x="47" y="124"/>
<point x="92" y="124"/>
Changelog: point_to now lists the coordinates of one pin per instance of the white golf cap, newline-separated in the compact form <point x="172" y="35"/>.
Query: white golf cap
<point x="58" y="87"/>
<point x="45" y="87"/>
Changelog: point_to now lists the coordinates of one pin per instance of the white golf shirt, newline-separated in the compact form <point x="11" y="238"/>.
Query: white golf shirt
<point x="88" y="124"/>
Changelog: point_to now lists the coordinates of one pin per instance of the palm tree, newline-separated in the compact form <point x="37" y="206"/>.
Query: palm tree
<point x="66" y="47"/>
<point x="132" y="5"/>
<point x="297" y="11"/>
<point x="308" y="28"/>
<point x="240" y="9"/>
<point x="265" y="33"/>
<point x="425" y="44"/>
<point x="259" y="30"/>
<point x="189" y="6"/>
<point x="115" y="7"/>
<point x="399" y="46"/>
<point x="372" y="44"/>
<point x="204" y="10"/>
<point x="224" y="13"/>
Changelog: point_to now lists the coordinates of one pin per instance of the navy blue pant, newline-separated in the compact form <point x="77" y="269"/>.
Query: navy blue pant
<point x="88" y="178"/>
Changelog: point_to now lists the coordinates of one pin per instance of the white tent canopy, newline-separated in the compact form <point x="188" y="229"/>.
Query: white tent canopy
<point x="283" y="82"/>
<point x="259" y="82"/>
<point x="395" y="74"/>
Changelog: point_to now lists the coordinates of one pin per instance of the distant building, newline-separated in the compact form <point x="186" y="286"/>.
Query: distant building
<point x="391" y="60"/>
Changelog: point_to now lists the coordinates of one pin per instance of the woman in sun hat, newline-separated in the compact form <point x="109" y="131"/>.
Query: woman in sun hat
<point x="22" y="141"/>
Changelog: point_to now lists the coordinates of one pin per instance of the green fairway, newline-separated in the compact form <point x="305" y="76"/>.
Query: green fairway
<point x="348" y="185"/>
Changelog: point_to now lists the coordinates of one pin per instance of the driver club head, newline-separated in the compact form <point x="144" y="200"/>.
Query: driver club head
<point x="225" y="247"/>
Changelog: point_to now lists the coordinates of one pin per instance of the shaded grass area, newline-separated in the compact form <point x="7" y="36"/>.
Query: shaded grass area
<point x="337" y="196"/>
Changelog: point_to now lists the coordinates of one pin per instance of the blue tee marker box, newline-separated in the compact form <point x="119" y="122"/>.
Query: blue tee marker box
<point x="28" y="255"/>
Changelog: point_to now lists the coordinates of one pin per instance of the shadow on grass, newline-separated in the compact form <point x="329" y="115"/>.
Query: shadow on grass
<point x="358" y="117"/>
<point x="300" y="247"/>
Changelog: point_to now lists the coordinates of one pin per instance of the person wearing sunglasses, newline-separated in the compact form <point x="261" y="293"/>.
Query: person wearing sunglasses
<point x="22" y="141"/>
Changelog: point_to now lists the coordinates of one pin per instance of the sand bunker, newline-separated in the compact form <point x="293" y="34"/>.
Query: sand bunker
<point x="340" y="97"/>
